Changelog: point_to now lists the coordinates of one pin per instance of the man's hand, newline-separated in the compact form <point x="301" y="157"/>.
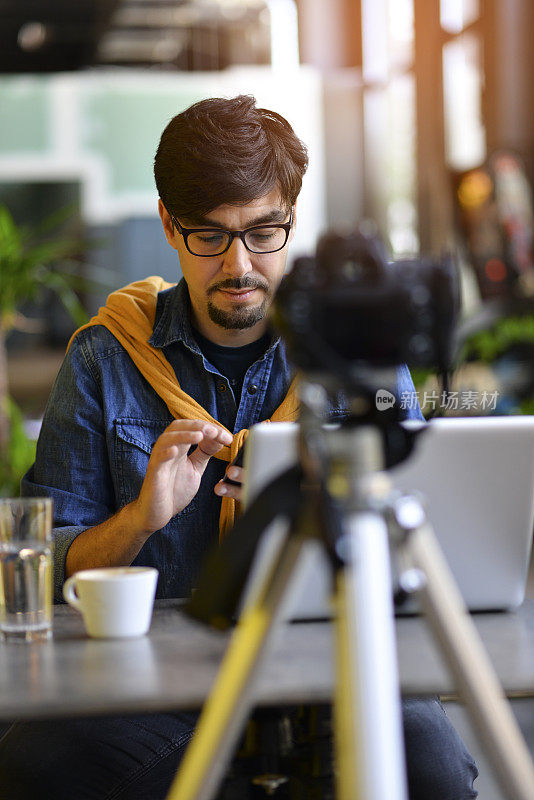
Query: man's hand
<point x="227" y="489"/>
<point x="173" y="477"/>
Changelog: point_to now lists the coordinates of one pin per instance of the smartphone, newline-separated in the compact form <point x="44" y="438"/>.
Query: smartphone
<point x="237" y="462"/>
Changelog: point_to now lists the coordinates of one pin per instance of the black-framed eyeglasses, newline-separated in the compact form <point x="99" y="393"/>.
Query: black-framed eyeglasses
<point x="258" y="239"/>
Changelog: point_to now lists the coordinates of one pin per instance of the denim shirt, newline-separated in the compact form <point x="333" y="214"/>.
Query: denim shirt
<point x="103" y="418"/>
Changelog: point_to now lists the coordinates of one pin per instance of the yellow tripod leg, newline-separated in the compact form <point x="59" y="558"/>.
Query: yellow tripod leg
<point x="227" y="706"/>
<point x="344" y="722"/>
<point x="216" y="716"/>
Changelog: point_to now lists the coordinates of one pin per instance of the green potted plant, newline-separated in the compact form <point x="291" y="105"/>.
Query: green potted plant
<point x="31" y="259"/>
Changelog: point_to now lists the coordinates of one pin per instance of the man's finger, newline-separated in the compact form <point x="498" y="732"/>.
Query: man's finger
<point x="215" y="438"/>
<point x="235" y="473"/>
<point x="227" y="490"/>
<point x="180" y="440"/>
<point x="212" y="442"/>
<point x="194" y="425"/>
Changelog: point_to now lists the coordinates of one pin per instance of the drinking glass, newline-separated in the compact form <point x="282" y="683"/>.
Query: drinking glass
<point x="26" y="585"/>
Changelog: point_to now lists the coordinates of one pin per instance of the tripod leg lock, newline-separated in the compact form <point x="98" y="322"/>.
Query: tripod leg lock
<point x="407" y="512"/>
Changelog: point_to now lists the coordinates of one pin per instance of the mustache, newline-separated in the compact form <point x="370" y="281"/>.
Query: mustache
<point x="247" y="282"/>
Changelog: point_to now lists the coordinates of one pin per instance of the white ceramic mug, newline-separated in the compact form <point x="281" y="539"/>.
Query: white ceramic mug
<point x="114" y="601"/>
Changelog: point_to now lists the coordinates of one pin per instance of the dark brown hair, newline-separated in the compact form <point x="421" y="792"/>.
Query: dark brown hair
<point x="222" y="151"/>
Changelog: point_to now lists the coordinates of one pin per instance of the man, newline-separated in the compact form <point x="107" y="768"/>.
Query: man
<point x="149" y="397"/>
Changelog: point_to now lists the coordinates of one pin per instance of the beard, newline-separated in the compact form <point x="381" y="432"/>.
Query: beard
<point x="238" y="318"/>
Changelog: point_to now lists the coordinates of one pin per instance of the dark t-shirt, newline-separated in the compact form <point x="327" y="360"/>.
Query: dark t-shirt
<point x="233" y="362"/>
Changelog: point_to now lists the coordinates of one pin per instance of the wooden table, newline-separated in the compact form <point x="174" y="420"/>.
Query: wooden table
<point x="174" y="666"/>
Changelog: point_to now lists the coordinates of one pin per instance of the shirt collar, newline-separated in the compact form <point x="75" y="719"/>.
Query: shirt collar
<point x="172" y="322"/>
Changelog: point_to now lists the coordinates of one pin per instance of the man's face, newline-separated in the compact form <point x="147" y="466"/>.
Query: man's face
<point x="231" y="293"/>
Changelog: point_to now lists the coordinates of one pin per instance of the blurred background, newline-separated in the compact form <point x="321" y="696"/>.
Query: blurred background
<point x="417" y="116"/>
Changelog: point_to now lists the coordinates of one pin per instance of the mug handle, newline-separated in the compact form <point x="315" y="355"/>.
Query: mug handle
<point x="69" y="593"/>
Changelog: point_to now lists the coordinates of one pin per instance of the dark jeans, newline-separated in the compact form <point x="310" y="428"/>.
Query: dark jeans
<point x="136" y="757"/>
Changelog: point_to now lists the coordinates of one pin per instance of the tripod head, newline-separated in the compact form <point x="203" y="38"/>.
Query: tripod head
<point x="348" y="310"/>
<point x="350" y="317"/>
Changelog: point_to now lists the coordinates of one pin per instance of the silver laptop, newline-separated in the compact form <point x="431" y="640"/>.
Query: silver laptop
<point x="477" y="478"/>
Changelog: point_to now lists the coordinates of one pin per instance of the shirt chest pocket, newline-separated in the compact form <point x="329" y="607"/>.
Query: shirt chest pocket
<point x="133" y="443"/>
<point x="134" y="440"/>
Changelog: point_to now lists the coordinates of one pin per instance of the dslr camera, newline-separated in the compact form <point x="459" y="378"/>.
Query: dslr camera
<point x="349" y="308"/>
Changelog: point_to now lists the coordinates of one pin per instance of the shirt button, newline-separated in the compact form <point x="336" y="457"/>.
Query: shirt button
<point x="252" y="389"/>
<point x="221" y="387"/>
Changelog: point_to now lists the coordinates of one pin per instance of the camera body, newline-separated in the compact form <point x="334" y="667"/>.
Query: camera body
<point x="349" y="305"/>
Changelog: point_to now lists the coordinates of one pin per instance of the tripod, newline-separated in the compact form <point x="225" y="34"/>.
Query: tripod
<point x="363" y="524"/>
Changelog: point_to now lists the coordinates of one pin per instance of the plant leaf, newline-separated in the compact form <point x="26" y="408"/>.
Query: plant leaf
<point x="68" y="297"/>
